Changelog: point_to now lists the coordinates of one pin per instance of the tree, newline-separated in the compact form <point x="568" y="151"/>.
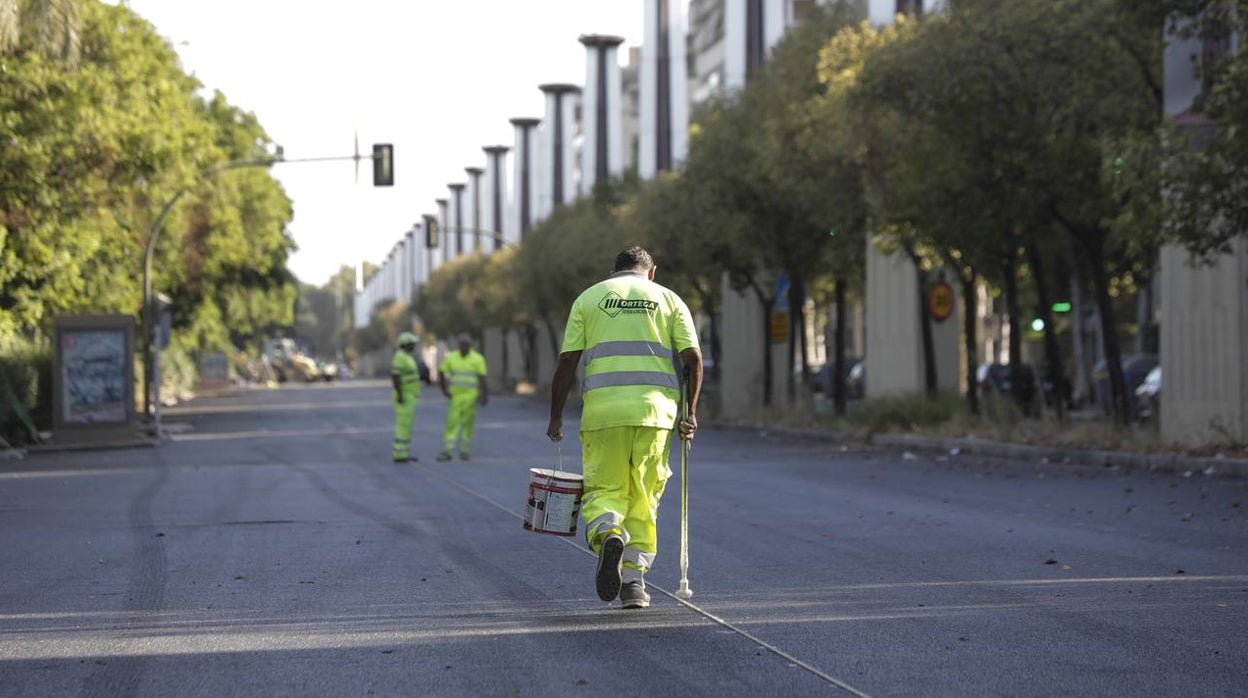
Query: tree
<point x="86" y="145"/>
<point x="810" y="158"/>
<point x="569" y="250"/>
<point x="690" y="239"/>
<point x="1007" y="101"/>
<point x="104" y="134"/>
<point x="1206" y="149"/>
<point x="48" y="27"/>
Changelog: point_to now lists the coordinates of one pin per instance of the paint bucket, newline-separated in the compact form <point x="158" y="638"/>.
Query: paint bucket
<point x="554" y="502"/>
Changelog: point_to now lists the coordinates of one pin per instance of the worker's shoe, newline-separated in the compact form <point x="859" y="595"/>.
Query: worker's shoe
<point x="610" y="560"/>
<point x="406" y="459"/>
<point x="464" y="455"/>
<point x="444" y="456"/>
<point x="633" y="595"/>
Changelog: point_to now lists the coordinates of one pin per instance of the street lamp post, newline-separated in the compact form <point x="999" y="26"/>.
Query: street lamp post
<point x="149" y="313"/>
<point x="383" y="175"/>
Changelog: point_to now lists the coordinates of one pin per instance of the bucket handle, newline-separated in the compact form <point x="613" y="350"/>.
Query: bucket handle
<point x="558" y="457"/>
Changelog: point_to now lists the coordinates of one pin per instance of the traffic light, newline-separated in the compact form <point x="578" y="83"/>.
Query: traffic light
<point x="1037" y="325"/>
<point x="431" y="232"/>
<point x="383" y="165"/>
<point x="1061" y="307"/>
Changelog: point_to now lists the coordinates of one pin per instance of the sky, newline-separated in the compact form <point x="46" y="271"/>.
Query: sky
<point x="439" y="79"/>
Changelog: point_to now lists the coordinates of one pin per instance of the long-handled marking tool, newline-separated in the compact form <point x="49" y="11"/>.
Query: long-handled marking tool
<point x="683" y="591"/>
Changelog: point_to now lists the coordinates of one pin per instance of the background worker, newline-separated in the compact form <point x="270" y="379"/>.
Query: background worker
<point x="405" y="376"/>
<point x="462" y="374"/>
<point x="628" y="329"/>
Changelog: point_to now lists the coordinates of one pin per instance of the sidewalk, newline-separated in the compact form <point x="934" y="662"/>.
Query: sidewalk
<point x="1157" y="462"/>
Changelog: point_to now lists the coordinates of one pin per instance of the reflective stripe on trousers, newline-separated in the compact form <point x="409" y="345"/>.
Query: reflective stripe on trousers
<point x="404" y="416"/>
<point x="461" y="418"/>
<point x="626" y="471"/>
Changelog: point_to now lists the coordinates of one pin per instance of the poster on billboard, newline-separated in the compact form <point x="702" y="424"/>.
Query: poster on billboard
<point x="93" y="380"/>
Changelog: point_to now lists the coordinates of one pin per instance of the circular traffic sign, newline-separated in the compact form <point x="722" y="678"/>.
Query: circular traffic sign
<point x="940" y="301"/>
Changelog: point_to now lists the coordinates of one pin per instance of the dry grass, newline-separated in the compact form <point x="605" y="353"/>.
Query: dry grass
<point x="947" y="416"/>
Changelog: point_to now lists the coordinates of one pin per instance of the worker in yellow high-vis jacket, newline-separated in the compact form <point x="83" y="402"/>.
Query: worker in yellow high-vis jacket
<point x="463" y="381"/>
<point x="629" y="330"/>
<point x="405" y="376"/>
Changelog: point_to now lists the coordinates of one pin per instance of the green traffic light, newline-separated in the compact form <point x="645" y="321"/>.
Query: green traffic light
<point x="1061" y="307"/>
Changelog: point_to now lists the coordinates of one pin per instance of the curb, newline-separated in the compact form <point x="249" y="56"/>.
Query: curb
<point x="110" y="445"/>
<point x="140" y="439"/>
<point x="1156" y="462"/>
<point x="1153" y="462"/>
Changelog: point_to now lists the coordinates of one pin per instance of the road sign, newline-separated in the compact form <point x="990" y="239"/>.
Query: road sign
<point x="778" y="325"/>
<point x="940" y="301"/>
<point x="782" y="292"/>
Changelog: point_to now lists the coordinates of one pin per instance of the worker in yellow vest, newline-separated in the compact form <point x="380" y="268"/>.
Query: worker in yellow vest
<point x="629" y="330"/>
<point x="463" y="381"/>
<point x="405" y="377"/>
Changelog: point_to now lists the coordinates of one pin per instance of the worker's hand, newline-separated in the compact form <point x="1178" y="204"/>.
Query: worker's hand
<point x="483" y="400"/>
<point x="555" y="430"/>
<point x="688" y="427"/>
<point x="398" y="398"/>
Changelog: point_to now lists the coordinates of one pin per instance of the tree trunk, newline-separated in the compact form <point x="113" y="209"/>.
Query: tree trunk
<point x="768" y="303"/>
<point x="1082" y="388"/>
<point x="505" y="372"/>
<point x="970" y="334"/>
<point x="1119" y="406"/>
<point x="709" y="306"/>
<point x="797" y="335"/>
<point x="528" y="350"/>
<point x="1144" y="316"/>
<point x="1009" y="268"/>
<point x="925" y="326"/>
<point x="712" y="313"/>
<point x="838" y="373"/>
<point x="1052" y="354"/>
<point x="550" y="331"/>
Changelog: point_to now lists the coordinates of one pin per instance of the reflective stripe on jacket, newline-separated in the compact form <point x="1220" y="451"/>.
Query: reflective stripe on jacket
<point x="464" y="371"/>
<point x="629" y="330"/>
<point x="404" y="366"/>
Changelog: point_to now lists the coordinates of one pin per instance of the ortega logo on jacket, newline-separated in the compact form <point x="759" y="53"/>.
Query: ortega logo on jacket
<point x="612" y="304"/>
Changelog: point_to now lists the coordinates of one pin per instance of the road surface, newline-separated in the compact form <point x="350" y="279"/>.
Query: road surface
<point x="271" y="548"/>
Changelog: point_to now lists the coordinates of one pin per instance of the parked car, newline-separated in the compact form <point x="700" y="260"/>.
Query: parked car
<point x="1053" y="389"/>
<point x="1135" y="368"/>
<point x="997" y="379"/>
<point x="329" y="370"/>
<point x="288" y="363"/>
<point x="1148" y="395"/>
<point x="855" y="378"/>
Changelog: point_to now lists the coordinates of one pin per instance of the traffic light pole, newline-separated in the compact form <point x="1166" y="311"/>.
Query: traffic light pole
<point x="383" y="176"/>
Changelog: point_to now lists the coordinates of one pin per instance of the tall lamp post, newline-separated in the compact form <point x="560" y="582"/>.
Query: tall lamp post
<point x="149" y="311"/>
<point x="382" y="158"/>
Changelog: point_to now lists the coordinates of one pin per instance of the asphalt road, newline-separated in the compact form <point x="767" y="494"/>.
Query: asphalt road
<point x="272" y="549"/>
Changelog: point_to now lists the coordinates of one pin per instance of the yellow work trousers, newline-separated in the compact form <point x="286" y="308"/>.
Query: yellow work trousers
<point x="404" y="415"/>
<point x="461" y="417"/>
<point x="625" y="469"/>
